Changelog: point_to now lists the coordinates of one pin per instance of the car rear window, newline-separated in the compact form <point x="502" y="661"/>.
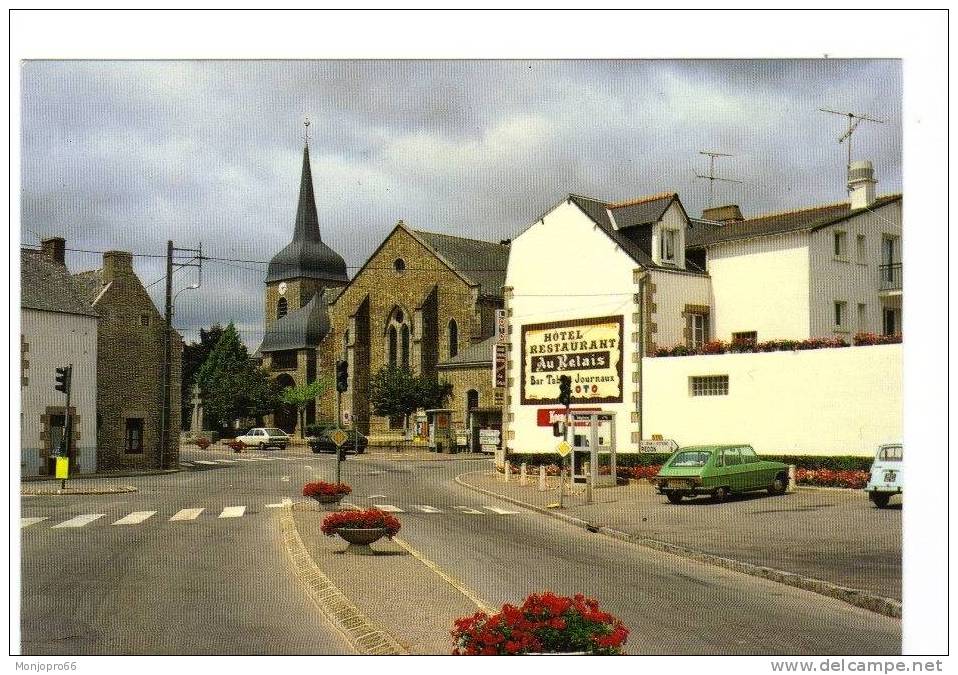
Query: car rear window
<point x="890" y="454"/>
<point x="690" y="458"/>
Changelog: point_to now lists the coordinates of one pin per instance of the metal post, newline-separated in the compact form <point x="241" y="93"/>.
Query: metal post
<point x="642" y="282"/>
<point x="339" y="421"/>
<point x="67" y="426"/>
<point x="165" y="412"/>
<point x="565" y="437"/>
<point x="593" y="456"/>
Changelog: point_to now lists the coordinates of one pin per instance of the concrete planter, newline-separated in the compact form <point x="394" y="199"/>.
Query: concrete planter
<point x="359" y="539"/>
<point x="329" y="500"/>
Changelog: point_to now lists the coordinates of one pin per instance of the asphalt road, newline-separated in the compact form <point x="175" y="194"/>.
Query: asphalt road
<point x="223" y="585"/>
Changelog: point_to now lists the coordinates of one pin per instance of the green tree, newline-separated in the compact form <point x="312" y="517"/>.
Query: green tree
<point x="231" y="385"/>
<point x="194" y="354"/>
<point x="396" y="392"/>
<point x="301" y="395"/>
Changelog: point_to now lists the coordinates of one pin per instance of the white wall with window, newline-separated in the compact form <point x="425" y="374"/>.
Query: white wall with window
<point x="674" y="291"/>
<point x="668" y="238"/>
<point x="842" y="401"/>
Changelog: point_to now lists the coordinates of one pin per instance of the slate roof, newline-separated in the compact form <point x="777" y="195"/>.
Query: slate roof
<point x="480" y="262"/>
<point x="90" y="284"/>
<point x="303" y="328"/>
<point x="479" y="354"/>
<point x="796" y="220"/>
<point x="47" y="286"/>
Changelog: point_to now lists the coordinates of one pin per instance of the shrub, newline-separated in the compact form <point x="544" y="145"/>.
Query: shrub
<point x="544" y="623"/>
<point x="203" y="442"/>
<point x="867" y="339"/>
<point x="322" y="488"/>
<point x="852" y="479"/>
<point x="314" y="430"/>
<point x="364" y="520"/>
<point x="714" y="347"/>
<point x="235" y="445"/>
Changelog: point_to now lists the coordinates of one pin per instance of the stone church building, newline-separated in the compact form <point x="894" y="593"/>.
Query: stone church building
<point x="420" y="301"/>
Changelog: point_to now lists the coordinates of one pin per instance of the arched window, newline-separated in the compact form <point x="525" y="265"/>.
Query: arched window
<point x="392" y="346"/>
<point x="405" y="346"/>
<point x="281" y="308"/>
<point x="453" y="338"/>
<point x="472" y="400"/>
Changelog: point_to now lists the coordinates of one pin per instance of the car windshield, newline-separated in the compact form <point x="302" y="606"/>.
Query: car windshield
<point x="691" y="458"/>
<point x="892" y="453"/>
<point x="276" y="432"/>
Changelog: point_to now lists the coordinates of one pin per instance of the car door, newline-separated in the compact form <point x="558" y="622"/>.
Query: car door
<point x="722" y="468"/>
<point x="736" y="473"/>
<point x="753" y="475"/>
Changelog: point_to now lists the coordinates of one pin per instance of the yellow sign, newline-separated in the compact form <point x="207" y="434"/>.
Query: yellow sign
<point x="63" y="467"/>
<point x="588" y="350"/>
<point x="338" y="437"/>
<point x="563" y="449"/>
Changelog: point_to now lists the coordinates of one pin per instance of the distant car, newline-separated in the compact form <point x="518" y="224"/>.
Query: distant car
<point x="323" y="443"/>
<point x="719" y="471"/>
<point x="265" y="437"/>
<point x="885" y="476"/>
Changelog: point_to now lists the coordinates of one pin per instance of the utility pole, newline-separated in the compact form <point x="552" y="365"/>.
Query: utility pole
<point x="711" y="177"/>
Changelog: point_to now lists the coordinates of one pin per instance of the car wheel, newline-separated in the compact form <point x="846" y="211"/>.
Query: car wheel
<point x="880" y="499"/>
<point x="779" y="485"/>
<point x="674" y="497"/>
<point x="721" y="494"/>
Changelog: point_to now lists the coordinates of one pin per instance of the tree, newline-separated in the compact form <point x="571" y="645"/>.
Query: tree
<point x="396" y="392"/>
<point x="301" y="395"/>
<point x="194" y="354"/>
<point x="231" y="385"/>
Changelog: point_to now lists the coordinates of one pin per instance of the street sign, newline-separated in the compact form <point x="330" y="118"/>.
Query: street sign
<point x="489" y="436"/>
<point x="502" y="328"/>
<point x="63" y="467"/>
<point x="462" y="437"/>
<point x="563" y="448"/>
<point x="347" y="417"/>
<point x="338" y="437"/>
<point x="659" y="445"/>
<point x="499" y="361"/>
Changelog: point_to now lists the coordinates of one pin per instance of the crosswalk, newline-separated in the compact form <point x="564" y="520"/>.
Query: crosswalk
<point x="200" y="463"/>
<point x="425" y="508"/>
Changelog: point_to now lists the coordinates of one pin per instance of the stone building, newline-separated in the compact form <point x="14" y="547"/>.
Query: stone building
<point x="130" y="352"/>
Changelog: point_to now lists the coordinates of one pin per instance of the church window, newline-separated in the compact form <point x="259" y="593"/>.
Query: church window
<point x="392" y="346"/>
<point x="399" y="265"/>
<point x="282" y="307"/>
<point x="453" y="338"/>
<point x="405" y="346"/>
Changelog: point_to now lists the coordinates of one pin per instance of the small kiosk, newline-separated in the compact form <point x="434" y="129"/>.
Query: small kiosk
<point x="442" y="438"/>
<point x="593" y="446"/>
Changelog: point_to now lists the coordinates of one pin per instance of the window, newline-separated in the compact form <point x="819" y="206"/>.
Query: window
<point x="698" y="330"/>
<point x="667" y="246"/>
<point x="731" y="457"/>
<point x="861" y="317"/>
<point x="839" y="244"/>
<point x="134" y="435"/>
<point x="392" y="346"/>
<point x="472" y="399"/>
<point x="282" y="307"/>
<point x="861" y="248"/>
<point x="405" y="346"/>
<point x="748" y="455"/>
<point x="839" y="314"/>
<point x="399" y="265"/>
<point x="284" y="360"/>
<point x="891" y="321"/>
<point x="144" y="319"/>
<point x="709" y="385"/>
<point x="691" y="458"/>
<point x="746" y="336"/>
<point x="890" y="453"/>
<point x="453" y="338"/>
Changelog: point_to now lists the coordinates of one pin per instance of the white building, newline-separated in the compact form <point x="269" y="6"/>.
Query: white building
<point x="57" y="328"/>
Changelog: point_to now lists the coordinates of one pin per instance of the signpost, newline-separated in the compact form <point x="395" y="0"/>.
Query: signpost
<point x="489" y="439"/>
<point x="659" y="445"/>
<point x="338" y="437"/>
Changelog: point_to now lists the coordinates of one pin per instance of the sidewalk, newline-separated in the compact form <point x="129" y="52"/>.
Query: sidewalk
<point x="835" y="536"/>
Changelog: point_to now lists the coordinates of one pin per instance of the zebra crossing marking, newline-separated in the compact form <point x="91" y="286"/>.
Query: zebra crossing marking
<point x="186" y="464"/>
<point x="226" y="461"/>
<point x="134" y="518"/>
<point x="466" y="509"/>
<point x="27" y="522"/>
<point x="233" y="512"/>
<point x="501" y="512"/>
<point x="204" y="461"/>
<point x="389" y="508"/>
<point x="186" y="514"/>
<point x="80" y="521"/>
<point x="426" y="509"/>
<point x="285" y="502"/>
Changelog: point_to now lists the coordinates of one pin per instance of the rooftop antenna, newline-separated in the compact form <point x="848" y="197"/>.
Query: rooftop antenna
<point x="853" y="121"/>
<point x="711" y="178"/>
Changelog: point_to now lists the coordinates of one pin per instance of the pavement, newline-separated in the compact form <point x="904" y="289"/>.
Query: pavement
<point x="837" y="536"/>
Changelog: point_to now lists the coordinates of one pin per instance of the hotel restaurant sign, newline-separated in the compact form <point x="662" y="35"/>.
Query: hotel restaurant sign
<point x="588" y="350"/>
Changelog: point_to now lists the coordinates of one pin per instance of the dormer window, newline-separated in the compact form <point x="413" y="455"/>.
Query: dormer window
<point x="667" y="246"/>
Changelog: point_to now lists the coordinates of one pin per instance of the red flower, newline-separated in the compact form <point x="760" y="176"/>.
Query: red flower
<point x="321" y="488"/>
<point x="368" y="519"/>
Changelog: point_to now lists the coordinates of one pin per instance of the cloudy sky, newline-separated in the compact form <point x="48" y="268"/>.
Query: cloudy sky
<point x="129" y="154"/>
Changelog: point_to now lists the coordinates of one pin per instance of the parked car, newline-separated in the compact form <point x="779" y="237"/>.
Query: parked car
<point x="355" y="442"/>
<point x="885" y="476"/>
<point x="719" y="471"/>
<point x="264" y="437"/>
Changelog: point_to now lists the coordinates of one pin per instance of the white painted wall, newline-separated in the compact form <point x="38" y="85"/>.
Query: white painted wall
<point x="56" y="340"/>
<point x="673" y="291"/>
<point x="849" y="279"/>
<point x="672" y="219"/>
<point x="761" y="284"/>
<point x="561" y="268"/>
<point x="816" y="402"/>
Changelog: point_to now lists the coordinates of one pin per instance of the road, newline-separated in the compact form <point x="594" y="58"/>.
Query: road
<point x="222" y="585"/>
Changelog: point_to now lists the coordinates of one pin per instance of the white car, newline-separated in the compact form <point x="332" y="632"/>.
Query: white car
<point x="264" y="437"/>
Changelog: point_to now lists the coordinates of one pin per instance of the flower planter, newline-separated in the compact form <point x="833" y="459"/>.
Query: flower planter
<point x="360" y="538"/>
<point x="329" y="500"/>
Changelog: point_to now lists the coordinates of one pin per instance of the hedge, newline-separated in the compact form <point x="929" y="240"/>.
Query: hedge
<point x="811" y="462"/>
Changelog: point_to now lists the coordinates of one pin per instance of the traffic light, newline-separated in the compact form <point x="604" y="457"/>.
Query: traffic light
<point x="342" y="376"/>
<point x="565" y="390"/>
<point x="64" y="375"/>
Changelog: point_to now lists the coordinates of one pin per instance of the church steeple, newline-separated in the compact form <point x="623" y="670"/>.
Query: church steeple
<point x="307" y="222"/>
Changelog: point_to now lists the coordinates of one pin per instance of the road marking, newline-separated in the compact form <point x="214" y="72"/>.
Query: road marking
<point x="285" y="479"/>
<point x="27" y="522"/>
<point x="426" y="509"/>
<point x="376" y="497"/>
<point x="80" y="521"/>
<point x="233" y="512"/>
<point x="245" y="459"/>
<point x="501" y="512"/>
<point x="285" y="502"/>
<point x="187" y="514"/>
<point x="466" y="509"/>
<point x="186" y="464"/>
<point x="204" y="461"/>
<point x="134" y="518"/>
<point x="226" y="461"/>
<point x="389" y="508"/>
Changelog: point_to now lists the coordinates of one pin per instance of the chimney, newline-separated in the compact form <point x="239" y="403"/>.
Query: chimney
<point x="54" y="249"/>
<point x="730" y="213"/>
<point x="116" y="264"/>
<point x="861" y="184"/>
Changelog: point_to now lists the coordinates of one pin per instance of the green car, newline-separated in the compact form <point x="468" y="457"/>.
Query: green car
<point x="718" y="470"/>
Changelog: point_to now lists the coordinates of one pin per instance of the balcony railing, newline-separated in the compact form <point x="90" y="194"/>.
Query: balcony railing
<point x="889" y="277"/>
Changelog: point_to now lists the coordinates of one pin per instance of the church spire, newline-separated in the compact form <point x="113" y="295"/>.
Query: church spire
<point x="307" y="222"/>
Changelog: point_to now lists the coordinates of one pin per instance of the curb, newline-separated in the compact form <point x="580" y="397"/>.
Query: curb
<point x="101" y="476"/>
<point x="853" y="596"/>
<point x="365" y="637"/>
<point x="69" y="492"/>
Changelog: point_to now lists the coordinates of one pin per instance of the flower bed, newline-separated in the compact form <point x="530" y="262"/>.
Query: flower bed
<point x="544" y="623"/>
<point x="362" y="520"/>
<point x="866" y="339"/>
<point x="235" y="445"/>
<point x="324" y="489"/>
<point x="852" y="479"/>
<point x="751" y="347"/>
<point x="203" y="442"/>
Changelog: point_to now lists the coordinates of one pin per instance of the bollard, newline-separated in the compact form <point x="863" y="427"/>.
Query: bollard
<point x="508" y="471"/>
<point x="791" y="479"/>
<point x="522" y="474"/>
<point x="542" y="479"/>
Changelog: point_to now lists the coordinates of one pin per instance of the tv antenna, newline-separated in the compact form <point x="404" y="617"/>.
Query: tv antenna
<point x="711" y="178"/>
<point x="853" y="121"/>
